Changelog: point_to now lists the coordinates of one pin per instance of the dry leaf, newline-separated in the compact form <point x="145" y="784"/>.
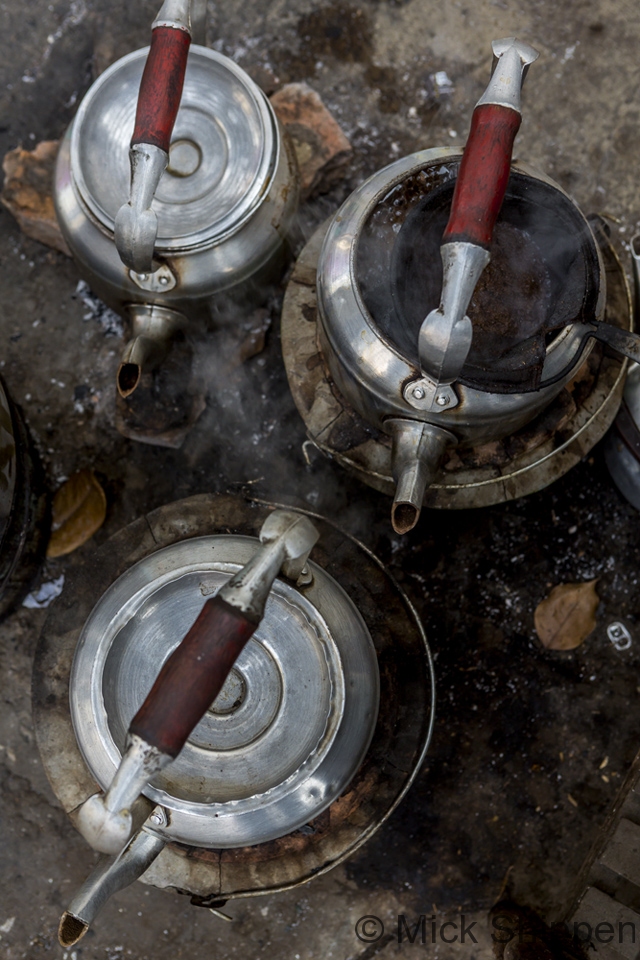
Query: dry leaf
<point x="79" y="509"/>
<point x="567" y="616"/>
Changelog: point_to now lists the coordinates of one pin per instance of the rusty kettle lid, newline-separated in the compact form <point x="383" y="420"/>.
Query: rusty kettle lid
<point x="544" y="274"/>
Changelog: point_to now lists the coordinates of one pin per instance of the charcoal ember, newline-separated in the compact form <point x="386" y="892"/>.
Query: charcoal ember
<point x="254" y="332"/>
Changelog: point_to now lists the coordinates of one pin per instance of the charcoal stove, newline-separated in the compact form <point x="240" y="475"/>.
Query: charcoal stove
<point x="24" y="506"/>
<point x="314" y="738"/>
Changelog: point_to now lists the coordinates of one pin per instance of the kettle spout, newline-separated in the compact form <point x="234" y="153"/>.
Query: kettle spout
<point x="109" y="876"/>
<point x="153" y="329"/>
<point x="418" y="451"/>
<point x="141" y="353"/>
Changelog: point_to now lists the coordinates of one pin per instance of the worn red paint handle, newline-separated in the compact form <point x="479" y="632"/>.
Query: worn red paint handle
<point x="483" y="175"/>
<point x="192" y="677"/>
<point x="161" y="87"/>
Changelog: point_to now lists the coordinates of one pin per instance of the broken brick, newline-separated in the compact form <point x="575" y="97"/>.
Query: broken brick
<point x="321" y="147"/>
<point x="28" y="193"/>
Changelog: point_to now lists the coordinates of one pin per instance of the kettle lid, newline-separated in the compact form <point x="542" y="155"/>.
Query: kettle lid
<point x="222" y="157"/>
<point x="543" y="276"/>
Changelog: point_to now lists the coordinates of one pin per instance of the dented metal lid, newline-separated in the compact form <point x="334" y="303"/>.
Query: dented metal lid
<point x="289" y="728"/>
<point x="223" y="152"/>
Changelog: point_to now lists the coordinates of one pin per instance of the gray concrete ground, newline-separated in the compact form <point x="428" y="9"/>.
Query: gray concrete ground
<point x="513" y="778"/>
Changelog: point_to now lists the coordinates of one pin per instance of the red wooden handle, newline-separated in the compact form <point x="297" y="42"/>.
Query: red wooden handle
<point x="192" y="677"/>
<point x="483" y="175"/>
<point x="161" y="87"/>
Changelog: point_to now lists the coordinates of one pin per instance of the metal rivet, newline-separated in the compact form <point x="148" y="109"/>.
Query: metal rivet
<point x="418" y="393"/>
<point x="144" y="276"/>
<point x="164" y="281"/>
<point x="442" y="400"/>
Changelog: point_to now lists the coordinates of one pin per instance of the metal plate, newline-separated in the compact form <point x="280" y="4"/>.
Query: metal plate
<point x="223" y="154"/>
<point x="287" y="732"/>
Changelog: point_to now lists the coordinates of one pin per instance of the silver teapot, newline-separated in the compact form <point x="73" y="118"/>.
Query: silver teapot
<point x="264" y="748"/>
<point x="418" y="237"/>
<point x="187" y="219"/>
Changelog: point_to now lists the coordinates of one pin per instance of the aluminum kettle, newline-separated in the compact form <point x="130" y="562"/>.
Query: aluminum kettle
<point x="175" y="190"/>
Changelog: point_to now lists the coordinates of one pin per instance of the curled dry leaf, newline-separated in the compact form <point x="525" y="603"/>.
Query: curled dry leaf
<point x="567" y="616"/>
<point x="79" y="509"/>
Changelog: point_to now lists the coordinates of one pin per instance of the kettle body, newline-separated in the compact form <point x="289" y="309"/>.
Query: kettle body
<point x="225" y="204"/>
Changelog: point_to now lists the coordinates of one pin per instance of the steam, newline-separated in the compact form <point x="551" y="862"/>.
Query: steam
<point x="250" y="437"/>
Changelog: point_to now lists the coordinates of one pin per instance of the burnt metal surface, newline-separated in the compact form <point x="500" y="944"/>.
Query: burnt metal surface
<point x="399" y="740"/>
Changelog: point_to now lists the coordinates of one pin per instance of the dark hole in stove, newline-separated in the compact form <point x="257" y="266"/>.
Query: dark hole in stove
<point x="543" y="275"/>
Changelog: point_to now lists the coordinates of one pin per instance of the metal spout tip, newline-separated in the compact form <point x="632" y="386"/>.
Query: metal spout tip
<point x="418" y="451"/>
<point x="71" y="929"/>
<point x="404" y="516"/>
<point x="128" y="378"/>
<point x="413" y="478"/>
<point x="154" y="330"/>
<point x="142" y="354"/>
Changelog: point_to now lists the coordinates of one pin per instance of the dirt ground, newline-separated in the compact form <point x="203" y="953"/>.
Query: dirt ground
<point x="516" y="775"/>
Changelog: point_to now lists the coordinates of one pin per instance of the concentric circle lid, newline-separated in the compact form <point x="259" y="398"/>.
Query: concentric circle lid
<point x="286" y="733"/>
<point x="222" y="156"/>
